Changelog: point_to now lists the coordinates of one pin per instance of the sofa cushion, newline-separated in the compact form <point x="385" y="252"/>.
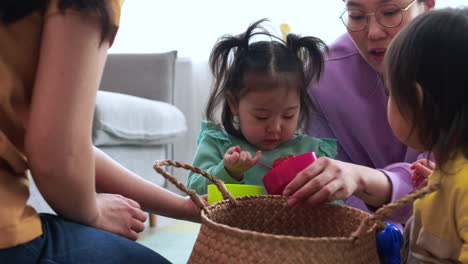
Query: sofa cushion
<point x="144" y="75"/>
<point x="122" y="119"/>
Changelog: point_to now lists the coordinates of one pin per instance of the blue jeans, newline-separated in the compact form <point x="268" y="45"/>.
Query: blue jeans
<point x="63" y="241"/>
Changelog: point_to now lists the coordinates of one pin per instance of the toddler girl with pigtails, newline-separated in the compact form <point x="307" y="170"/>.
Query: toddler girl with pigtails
<point x="261" y="88"/>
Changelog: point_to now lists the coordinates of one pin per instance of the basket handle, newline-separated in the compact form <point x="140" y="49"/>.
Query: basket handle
<point x="385" y="211"/>
<point x="193" y="195"/>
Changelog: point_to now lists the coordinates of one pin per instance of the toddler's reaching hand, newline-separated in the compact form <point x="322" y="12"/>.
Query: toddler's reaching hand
<point x="237" y="162"/>
<point x="421" y="170"/>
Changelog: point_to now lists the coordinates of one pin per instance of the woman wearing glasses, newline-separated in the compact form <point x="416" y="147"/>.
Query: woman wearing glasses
<point x="372" y="166"/>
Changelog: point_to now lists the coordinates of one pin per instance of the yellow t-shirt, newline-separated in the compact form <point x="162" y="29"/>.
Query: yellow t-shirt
<point x="438" y="231"/>
<point x="19" y="53"/>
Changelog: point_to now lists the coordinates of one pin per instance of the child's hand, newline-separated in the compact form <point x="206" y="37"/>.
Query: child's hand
<point x="237" y="162"/>
<point x="421" y="170"/>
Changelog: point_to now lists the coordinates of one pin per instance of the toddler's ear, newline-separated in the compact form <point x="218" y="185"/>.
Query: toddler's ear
<point x="420" y="93"/>
<point x="430" y="4"/>
<point x="232" y="102"/>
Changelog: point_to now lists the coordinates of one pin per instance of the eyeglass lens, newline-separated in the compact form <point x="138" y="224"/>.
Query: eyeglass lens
<point x="386" y="15"/>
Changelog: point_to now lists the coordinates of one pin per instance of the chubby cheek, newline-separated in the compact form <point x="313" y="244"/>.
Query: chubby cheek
<point x="251" y="131"/>
<point x="254" y="135"/>
<point x="402" y="127"/>
<point x="289" y="130"/>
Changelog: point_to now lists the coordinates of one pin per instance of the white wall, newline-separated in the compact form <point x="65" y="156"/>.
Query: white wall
<point x="192" y="27"/>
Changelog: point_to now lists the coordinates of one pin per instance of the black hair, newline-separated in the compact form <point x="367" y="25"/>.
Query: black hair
<point x="432" y="51"/>
<point x="233" y="57"/>
<point x="13" y="10"/>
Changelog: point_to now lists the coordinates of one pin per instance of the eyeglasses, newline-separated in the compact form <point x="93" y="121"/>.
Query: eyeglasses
<point x="390" y="16"/>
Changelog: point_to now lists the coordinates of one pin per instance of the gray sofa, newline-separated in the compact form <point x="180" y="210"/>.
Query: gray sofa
<point x="135" y="121"/>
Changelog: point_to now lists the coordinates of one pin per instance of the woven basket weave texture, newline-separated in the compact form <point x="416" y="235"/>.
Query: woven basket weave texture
<point x="242" y="234"/>
<point x="263" y="229"/>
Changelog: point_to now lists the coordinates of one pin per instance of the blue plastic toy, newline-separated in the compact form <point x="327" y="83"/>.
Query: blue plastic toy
<point x="389" y="243"/>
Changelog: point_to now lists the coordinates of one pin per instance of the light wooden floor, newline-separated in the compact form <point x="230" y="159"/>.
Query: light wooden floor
<point x="173" y="239"/>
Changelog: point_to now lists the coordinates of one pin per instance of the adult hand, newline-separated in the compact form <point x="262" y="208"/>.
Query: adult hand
<point x="237" y="162"/>
<point x="328" y="180"/>
<point x="119" y="215"/>
<point x="421" y="170"/>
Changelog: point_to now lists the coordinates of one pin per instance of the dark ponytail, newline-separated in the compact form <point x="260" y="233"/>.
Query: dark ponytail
<point x="228" y="48"/>
<point x="310" y="51"/>
<point x="225" y="65"/>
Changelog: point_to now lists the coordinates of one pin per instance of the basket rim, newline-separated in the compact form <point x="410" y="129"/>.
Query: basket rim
<point x="235" y="231"/>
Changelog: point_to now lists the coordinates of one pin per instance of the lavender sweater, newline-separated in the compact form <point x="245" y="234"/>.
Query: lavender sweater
<point x="353" y="109"/>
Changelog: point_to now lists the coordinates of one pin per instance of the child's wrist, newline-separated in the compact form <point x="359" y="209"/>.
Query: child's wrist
<point x="237" y="175"/>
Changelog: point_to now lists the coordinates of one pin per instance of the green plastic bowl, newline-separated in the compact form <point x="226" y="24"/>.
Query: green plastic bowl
<point x="236" y="190"/>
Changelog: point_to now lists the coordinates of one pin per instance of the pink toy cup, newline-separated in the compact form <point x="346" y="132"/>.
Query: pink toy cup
<point x="279" y="176"/>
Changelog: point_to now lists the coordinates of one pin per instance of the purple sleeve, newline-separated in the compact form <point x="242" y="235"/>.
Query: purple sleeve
<point x="399" y="175"/>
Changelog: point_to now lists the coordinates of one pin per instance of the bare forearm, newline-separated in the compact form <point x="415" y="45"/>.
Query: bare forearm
<point x="111" y="177"/>
<point x="58" y="140"/>
<point x="68" y="190"/>
<point x="376" y="188"/>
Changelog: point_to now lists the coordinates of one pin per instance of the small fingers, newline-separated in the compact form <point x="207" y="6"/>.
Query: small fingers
<point x="258" y="156"/>
<point x="231" y="158"/>
<point x="422" y="170"/>
<point x="431" y="165"/>
<point x="418" y="179"/>
<point x="232" y="150"/>
<point x="231" y="153"/>
<point x="245" y="156"/>
<point x="424" y="162"/>
<point x="415" y="163"/>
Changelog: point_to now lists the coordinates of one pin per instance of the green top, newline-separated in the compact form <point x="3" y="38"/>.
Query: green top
<point x="213" y="142"/>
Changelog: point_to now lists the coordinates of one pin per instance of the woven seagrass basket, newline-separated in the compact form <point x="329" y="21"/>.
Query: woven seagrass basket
<point x="263" y="229"/>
